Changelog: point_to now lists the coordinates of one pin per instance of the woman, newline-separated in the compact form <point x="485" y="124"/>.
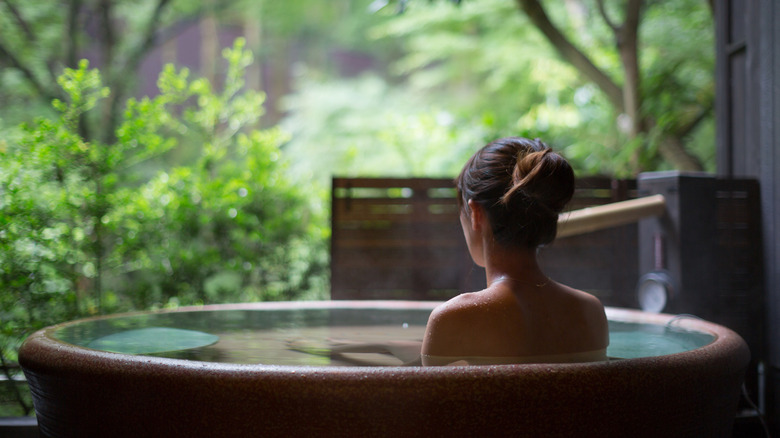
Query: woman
<point x="510" y="194"/>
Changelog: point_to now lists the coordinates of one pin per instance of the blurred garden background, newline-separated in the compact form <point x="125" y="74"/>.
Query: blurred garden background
<point x="161" y="153"/>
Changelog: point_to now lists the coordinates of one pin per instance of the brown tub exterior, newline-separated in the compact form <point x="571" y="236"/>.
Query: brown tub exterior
<point x="80" y="392"/>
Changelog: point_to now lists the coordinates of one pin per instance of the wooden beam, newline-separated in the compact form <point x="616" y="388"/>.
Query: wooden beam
<point x="609" y="215"/>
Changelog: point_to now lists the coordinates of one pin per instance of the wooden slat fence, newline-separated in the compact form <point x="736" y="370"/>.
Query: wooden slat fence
<point x="400" y="238"/>
<point x="606" y="262"/>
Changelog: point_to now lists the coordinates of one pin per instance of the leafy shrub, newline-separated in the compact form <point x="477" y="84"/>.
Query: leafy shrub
<point x="91" y="227"/>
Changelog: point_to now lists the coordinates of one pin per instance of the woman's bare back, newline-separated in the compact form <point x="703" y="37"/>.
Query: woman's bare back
<point x="518" y="320"/>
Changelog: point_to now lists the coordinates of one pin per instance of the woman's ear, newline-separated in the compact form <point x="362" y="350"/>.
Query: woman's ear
<point x="477" y="216"/>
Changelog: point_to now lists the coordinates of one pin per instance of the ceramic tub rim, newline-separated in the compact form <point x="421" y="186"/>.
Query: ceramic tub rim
<point x="41" y="350"/>
<point x="693" y="393"/>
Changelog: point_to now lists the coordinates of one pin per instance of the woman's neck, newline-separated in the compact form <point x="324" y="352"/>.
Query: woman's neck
<point x="519" y="265"/>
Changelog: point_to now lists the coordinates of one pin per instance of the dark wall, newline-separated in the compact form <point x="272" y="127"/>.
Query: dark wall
<point x="748" y="115"/>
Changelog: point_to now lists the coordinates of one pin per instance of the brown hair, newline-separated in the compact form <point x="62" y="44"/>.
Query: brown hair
<point x="522" y="185"/>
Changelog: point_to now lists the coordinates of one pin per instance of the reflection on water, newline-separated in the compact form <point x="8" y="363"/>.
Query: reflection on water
<point x="265" y="336"/>
<point x="632" y="340"/>
<point x="152" y="340"/>
<point x="302" y="337"/>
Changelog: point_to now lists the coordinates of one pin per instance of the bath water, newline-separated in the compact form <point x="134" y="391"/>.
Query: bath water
<point x="305" y="337"/>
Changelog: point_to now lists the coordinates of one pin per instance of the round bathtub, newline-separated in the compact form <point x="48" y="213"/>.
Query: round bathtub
<point x="223" y="386"/>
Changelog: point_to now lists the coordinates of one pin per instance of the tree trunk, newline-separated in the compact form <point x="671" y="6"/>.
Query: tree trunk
<point x="626" y="38"/>
<point x="570" y="53"/>
<point x="626" y="99"/>
<point x="672" y="150"/>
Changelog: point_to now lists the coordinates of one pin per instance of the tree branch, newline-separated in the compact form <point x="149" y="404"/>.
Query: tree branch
<point x="30" y="36"/>
<point x="688" y="127"/>
<point x="148" y="38"/>
<point x="605" y="16"/>
<point x="20" y="21"/>
<point x="70" y="40"/>
<point x="633" y="14"/>
<point x="27" y="73"/>
<point x="672" y="149"/>
<point x="626" y="37"/>
<point x="130" y="63"/>
<point x="107" y="31"/>
<point x="572" y="54"/>
<point x="671" y="145"/>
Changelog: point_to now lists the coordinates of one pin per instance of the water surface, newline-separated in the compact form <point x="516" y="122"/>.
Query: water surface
<point x="304" y="336"/>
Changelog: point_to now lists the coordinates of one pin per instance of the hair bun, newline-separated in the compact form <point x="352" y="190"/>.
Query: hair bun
<point x="543" y="176"/>
<point x="522" y="184"/>
<point x="528" y="166"/>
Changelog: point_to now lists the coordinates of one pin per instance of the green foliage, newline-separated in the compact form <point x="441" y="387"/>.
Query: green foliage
<point x="83" y="231"/>
<point x="470" y="73"/>
<point x="365" y="127"/>
<point x="481" y="53"/>
<point x="478" y="70"/>
<point x="486" y="61"/>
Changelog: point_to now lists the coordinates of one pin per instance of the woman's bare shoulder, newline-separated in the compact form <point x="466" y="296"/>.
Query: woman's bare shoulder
<point x="581" y="298"/>
<point x="449" y="322"/>
<point x="591" y="310"/>
<point x="454" y="307"/>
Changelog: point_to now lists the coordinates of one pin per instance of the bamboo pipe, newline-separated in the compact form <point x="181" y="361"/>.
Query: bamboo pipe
<point x="609" y="215"/>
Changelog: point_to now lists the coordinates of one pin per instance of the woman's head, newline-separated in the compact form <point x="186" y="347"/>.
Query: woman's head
<point x="522" y="185"/>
